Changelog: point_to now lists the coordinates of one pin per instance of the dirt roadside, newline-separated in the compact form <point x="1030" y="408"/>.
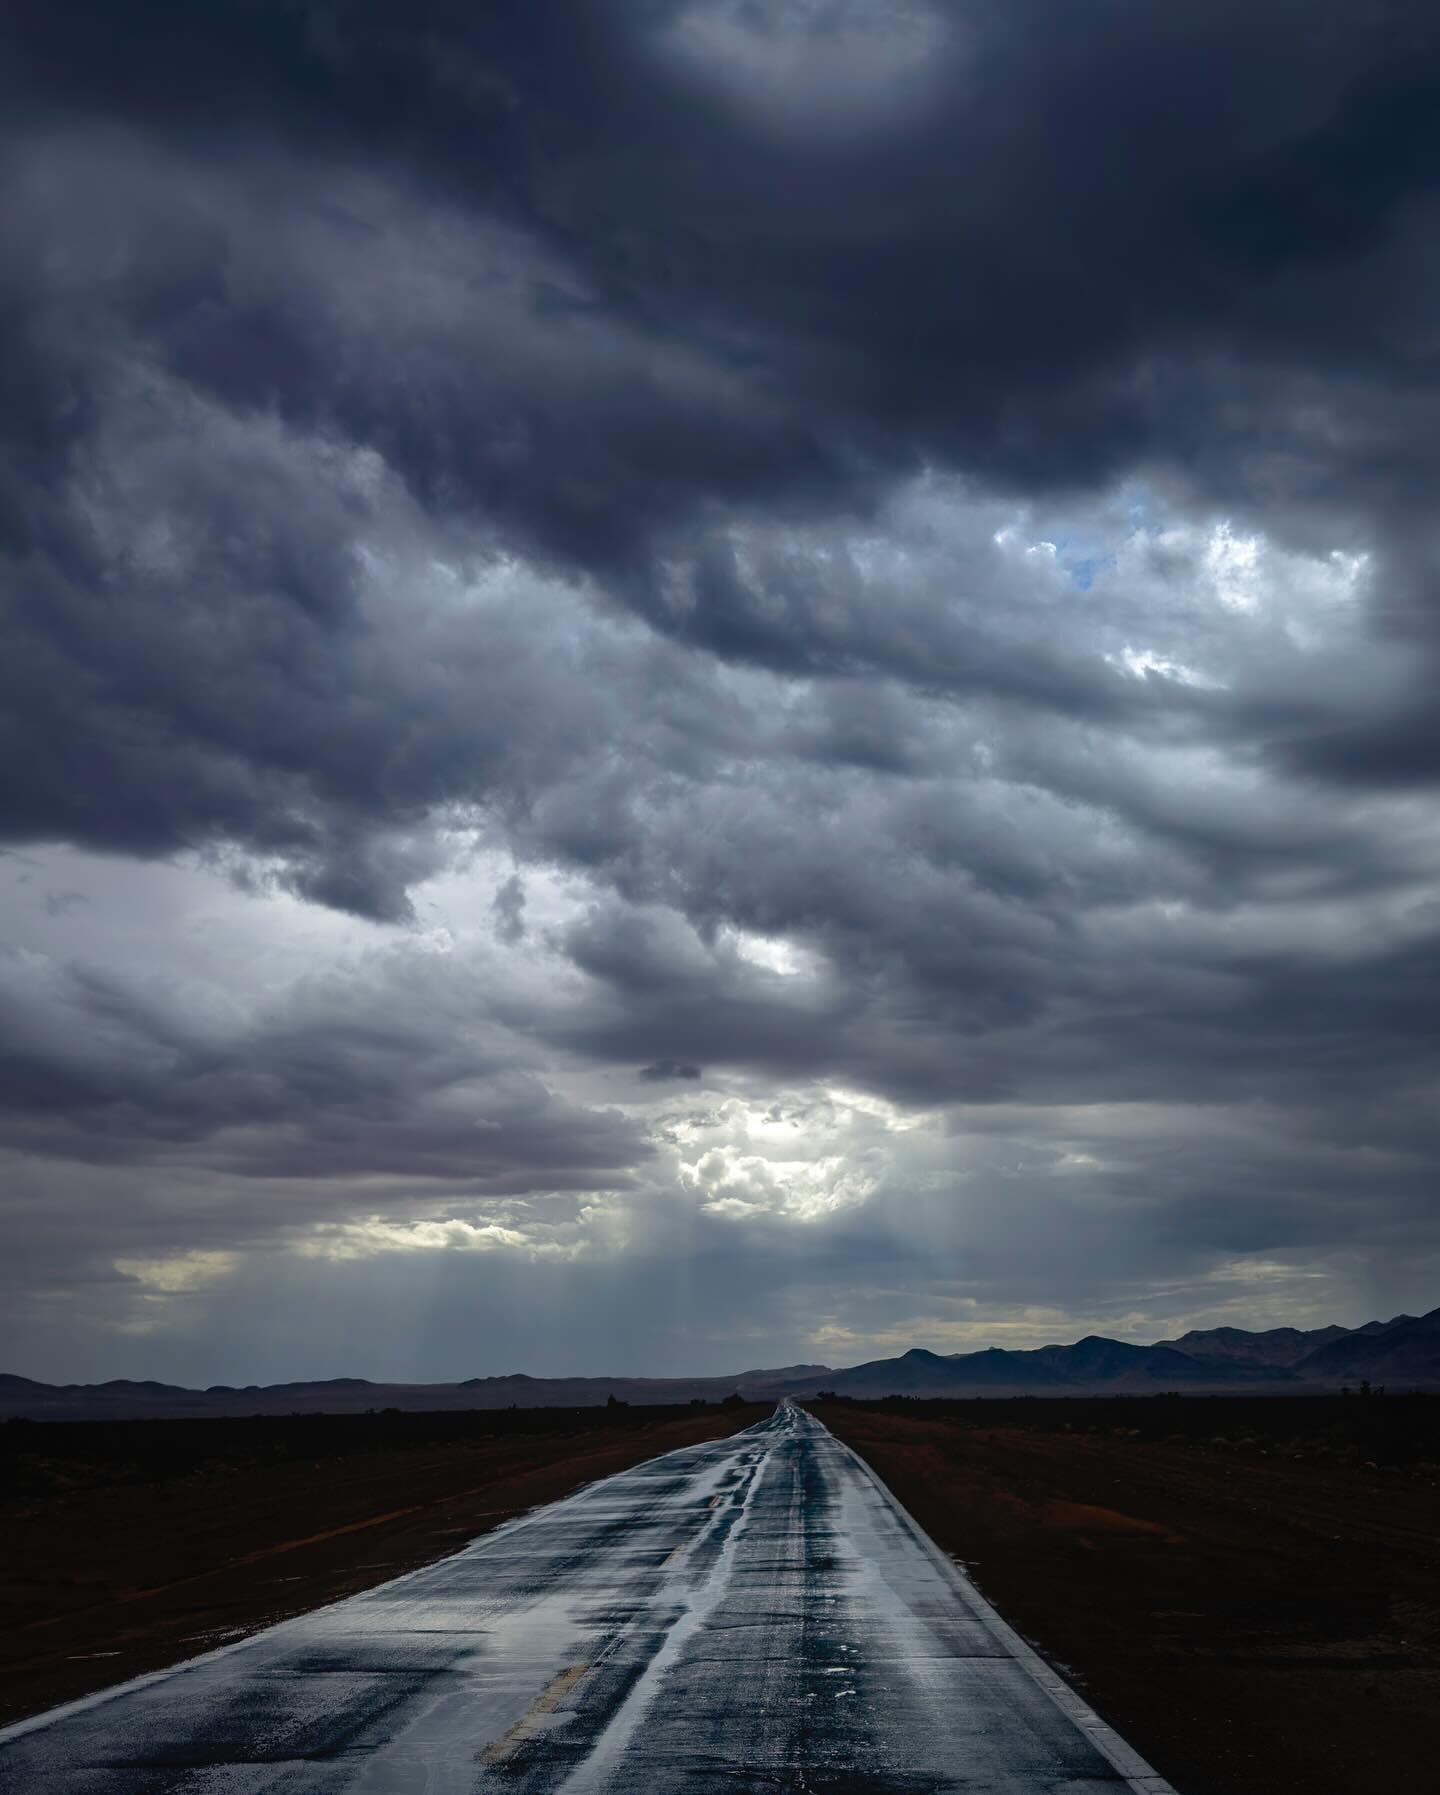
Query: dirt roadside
<point x="108" y="1569"/>
<point x="1248" y="1624"/>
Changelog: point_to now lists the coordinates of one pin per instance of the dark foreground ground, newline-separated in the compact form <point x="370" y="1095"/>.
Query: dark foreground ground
<point x="750" y="1614"/>
<point x="125" y="1546"/>
<point x="1247" y="1589"/>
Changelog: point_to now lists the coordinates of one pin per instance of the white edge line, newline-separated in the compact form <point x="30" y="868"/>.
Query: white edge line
<point x="1143" y="1780"/>
<point x="34" y="1723"/>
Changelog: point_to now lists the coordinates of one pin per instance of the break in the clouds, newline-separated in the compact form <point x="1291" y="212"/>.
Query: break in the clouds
<point x="705" y="683"/>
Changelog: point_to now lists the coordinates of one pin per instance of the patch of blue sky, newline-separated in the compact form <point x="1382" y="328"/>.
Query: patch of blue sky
<point x="1087" y="549"/>
<point x="1082" y="572"/>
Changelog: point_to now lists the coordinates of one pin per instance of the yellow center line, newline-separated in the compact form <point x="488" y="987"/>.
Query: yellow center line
<point x="549" y="1698"/>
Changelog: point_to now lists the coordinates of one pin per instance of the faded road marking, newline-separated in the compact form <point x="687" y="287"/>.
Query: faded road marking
<point x="526" y="1727"/>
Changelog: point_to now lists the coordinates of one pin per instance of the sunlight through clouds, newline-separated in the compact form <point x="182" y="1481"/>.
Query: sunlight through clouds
<point x="707" y="672"/>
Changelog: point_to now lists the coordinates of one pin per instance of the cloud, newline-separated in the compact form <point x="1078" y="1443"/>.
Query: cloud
<point x="562" y="576"/>
<point x="827" y="71"/>
<point x="509" y="910"/>
<point x="658" y="1071"/>
<point x="180" y="1275"/>
<point x="358" y="1240"/>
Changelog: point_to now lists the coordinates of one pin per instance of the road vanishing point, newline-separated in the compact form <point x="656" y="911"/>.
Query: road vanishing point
<point x="754" y="1613"/>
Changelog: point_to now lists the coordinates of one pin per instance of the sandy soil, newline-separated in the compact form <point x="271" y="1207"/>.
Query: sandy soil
<point x="108" y="1570"/>
<point x="1250" y="1623"/>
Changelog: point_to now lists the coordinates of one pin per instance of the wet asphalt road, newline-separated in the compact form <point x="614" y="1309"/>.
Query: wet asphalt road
<point x="754" y="1613"/>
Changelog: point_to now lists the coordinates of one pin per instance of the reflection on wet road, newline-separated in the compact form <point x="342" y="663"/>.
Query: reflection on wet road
<point x="753" y="1613"/>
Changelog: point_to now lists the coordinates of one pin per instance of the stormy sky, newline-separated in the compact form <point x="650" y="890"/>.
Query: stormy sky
<point x="702" y="683"/>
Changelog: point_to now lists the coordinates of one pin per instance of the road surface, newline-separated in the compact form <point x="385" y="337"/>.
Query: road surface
<point x="753" y="1613"/>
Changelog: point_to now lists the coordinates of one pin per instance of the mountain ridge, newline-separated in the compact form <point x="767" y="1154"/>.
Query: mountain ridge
<point x="1404" y="1351"/>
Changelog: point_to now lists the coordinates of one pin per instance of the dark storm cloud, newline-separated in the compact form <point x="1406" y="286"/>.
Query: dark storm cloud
<point x="554" y="272"/>
<point x="1022" y="272"/>
<point x="659" y="1071"/>
<point x="908" y="529"/>
<point x="341" y="1079"/>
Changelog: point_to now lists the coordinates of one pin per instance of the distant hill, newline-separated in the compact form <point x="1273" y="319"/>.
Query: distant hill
<point x="1090" y="1365"/>
<point x="122" y="1399"/>
<point x="1403" y="1352"/>
<point x="1276" y="1346"/>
